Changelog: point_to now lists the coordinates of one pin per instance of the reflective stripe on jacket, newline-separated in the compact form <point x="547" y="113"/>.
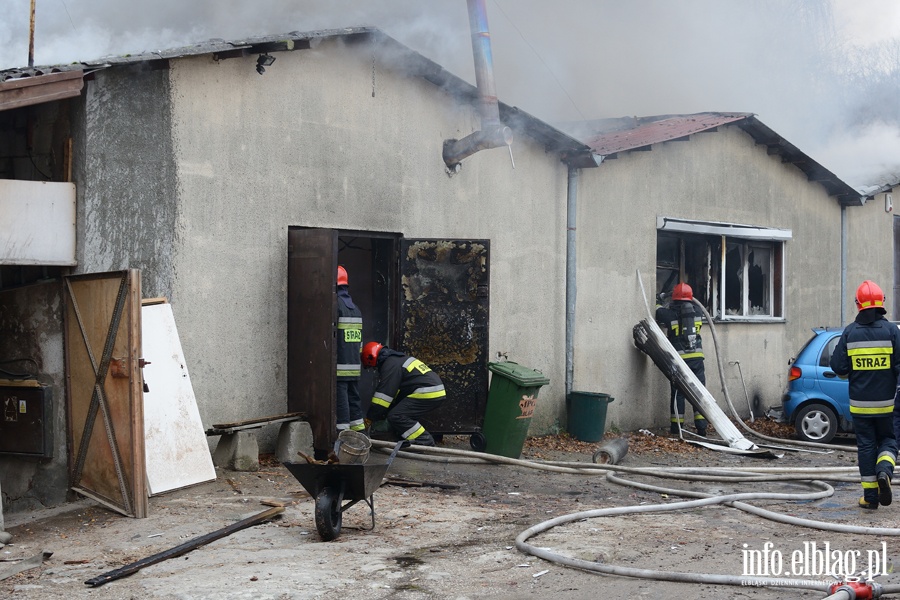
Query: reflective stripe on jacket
<point x="348" y="338"/>
<point x="868" y="353"/>
<point x="401" y="376"/>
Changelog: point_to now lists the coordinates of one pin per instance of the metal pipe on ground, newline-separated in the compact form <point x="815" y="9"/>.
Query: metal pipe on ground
<point x="611" y="452"/>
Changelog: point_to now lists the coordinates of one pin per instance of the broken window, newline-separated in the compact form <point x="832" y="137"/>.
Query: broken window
<point x="734" y="277"/>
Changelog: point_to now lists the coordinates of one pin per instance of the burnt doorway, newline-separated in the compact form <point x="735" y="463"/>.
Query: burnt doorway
<point x="443" y="321"/>
<point x="425" y="297"/>
<point x="313" y="257"/>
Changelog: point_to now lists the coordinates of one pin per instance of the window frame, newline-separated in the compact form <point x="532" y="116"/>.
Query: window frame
<point x="710" y="286"/>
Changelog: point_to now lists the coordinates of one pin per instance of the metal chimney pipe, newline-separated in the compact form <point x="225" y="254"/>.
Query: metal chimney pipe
<point x="493" y="133"/>
<point x="484" y="64"/>
<point x="31" y="37"/>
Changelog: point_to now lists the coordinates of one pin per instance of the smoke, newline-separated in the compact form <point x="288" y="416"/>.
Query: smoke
<point x="819" y="72"/>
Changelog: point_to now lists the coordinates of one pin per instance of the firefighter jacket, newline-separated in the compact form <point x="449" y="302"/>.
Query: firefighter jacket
<point x="868" y="353"/>
<point x="399" y="377"/>
<point x="349" y="336"/>
<point x="681" y="321"/>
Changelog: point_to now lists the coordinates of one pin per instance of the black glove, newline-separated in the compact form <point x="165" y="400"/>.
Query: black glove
<point x="377" y="413"/>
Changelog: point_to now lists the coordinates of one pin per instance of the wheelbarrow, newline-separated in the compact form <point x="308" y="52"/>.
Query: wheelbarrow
<point x="334" y="483"/>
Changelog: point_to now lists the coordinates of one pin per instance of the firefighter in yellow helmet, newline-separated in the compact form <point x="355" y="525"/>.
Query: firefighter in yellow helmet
<point x="681" y="321"/>
<point x="868" y="354"/>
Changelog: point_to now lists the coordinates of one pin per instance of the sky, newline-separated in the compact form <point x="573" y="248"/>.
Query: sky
<point x="567" y="60"/>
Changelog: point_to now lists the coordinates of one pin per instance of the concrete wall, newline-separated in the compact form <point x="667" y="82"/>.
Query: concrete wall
<point x="246" y="156"/>
<point x="125" y="176"/>
<point x="870" y="254"/>
<point x="30" y="327"/>
<point x="716" y="176"/>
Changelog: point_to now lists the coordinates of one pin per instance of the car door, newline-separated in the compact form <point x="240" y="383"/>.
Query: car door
<point x="830" y="384"/>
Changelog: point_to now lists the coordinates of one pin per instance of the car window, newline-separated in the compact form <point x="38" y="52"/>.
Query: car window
<point x="825" y="359"/>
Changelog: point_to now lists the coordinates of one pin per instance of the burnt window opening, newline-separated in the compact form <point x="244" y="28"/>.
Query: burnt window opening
<point x="744" y="282"/>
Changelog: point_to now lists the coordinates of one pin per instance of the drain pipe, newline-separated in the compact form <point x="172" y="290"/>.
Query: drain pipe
<point x="843" y="264"/>
<point x="493" y="133"/>
<point x="571" y="278"/>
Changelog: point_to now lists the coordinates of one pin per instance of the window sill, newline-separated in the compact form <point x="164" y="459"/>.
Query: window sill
<point x="719" y="320"/>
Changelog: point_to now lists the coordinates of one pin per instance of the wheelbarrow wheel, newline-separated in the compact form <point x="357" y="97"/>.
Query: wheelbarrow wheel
<point x="328" y="514"/>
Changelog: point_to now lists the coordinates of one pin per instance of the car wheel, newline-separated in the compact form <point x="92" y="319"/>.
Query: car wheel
<point x="816" y="423"/>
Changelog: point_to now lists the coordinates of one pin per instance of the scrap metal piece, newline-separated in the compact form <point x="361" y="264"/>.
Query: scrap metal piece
<point x="650" y="339"/>
<point x="184" y="548"/>
<point x="29" y="563"/>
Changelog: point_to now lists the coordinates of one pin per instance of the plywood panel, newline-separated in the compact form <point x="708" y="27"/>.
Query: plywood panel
<point x="106" y="423"/>
<point x="177" y="451"/>
<point x="37" y="223"/>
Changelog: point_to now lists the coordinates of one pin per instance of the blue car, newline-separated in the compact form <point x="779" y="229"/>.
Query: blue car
<point x="817" y="401"/>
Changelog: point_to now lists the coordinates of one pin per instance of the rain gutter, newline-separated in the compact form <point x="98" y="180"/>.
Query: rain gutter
<point x="571" y="259"/>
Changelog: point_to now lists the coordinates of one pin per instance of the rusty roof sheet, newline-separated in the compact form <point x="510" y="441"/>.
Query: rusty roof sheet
<point x="610" y="136"/>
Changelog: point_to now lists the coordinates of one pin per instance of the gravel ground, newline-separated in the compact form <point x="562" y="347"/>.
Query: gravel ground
<point x="456" y="540"/>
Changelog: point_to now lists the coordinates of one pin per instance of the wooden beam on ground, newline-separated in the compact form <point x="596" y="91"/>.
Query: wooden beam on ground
<point x="184" y="548"/>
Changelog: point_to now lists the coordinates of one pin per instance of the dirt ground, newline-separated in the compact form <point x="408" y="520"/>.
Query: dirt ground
<point x="456" y="540"/>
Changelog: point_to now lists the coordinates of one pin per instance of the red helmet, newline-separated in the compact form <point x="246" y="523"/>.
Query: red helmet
<point x="342" y="276"/>
<point x="369" y="354"/>
<point x="683" y="291"/>
<point x="869" y="295"/>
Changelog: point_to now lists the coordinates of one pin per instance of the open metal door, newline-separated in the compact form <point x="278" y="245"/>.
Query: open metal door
<point x="444" y="323"/>
<point x="104" y="389"/>
<point x="311" y="358"/>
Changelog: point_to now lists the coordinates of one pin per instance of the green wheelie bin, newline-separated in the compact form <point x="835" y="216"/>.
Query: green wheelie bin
<point x="512" y="398"/>
<point x="586" y="418"/>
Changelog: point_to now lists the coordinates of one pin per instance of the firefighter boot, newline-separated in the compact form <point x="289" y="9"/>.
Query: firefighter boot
<point x="885" y="496"/>
<point x="700" y="424"/>
<point x="868" y="503"/>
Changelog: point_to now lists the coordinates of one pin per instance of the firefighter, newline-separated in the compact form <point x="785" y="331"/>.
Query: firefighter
<point x="407" y="389"/>
<point x="348" y="338"/>
<point x="681" y="321"/>
<point x="868" y="354"/>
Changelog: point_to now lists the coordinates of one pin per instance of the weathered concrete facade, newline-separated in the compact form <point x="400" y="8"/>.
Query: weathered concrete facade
<point x="209" y="163"/>
<point x="739" y="182"/>
<point x="194" y="170"/>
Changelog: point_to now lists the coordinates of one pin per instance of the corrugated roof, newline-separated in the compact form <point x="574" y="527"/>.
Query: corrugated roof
<point x="609" y="137"/>
<point x="570" y="149"/>
<point x="633" y="133"/>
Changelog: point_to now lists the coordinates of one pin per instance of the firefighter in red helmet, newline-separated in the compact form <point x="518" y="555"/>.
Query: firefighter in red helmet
<point x="348" y="338"/>
<point x="407" y="389"/>
<point x="868" y="354"/>
<point x="681" y="321"/>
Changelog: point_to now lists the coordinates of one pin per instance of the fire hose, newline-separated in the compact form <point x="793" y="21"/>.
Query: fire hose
<point x="847" y="589"/>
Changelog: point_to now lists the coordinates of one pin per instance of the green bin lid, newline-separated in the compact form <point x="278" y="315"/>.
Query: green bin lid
<point x="523" y="376"/>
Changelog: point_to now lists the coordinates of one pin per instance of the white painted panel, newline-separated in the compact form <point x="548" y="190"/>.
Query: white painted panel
<point x="37" y="223"/>
<point x="177" y="452"/>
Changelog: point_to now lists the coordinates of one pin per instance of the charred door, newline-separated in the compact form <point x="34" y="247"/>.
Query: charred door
<point x="104" y="389"/>
<point x="312" y="262"/>
<point x="444" y="323"/>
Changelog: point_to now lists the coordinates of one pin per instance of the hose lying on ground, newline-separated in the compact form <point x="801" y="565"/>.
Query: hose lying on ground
<point x="750" y="474"/>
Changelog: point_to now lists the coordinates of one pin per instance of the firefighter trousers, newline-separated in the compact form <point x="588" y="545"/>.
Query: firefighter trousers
<point x="404" y="419"/>
<point x="348" y="411"/>
<point x="876" y="451"/>
<point x="677" y="400"/>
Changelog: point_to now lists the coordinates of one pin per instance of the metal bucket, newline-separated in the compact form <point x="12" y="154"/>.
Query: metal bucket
<point x="353" y="448"/>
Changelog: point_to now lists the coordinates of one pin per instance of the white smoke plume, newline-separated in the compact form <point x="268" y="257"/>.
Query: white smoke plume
<point x="824" y="74"/>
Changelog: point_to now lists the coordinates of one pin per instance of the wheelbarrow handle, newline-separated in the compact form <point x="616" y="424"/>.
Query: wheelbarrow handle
<point x="394" y="452"/>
